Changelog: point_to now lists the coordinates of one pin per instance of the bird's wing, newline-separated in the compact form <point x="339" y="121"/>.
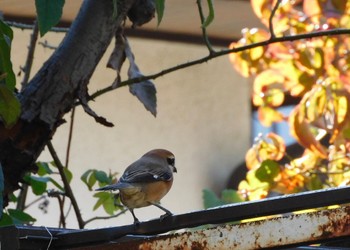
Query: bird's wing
<point x="119" y="185"/>
<point x="147" y="171"/>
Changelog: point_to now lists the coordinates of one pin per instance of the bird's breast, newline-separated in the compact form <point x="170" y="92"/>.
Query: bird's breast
<point x="142" y="195"/>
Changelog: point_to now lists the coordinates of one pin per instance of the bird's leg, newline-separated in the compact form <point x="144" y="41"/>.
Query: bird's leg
<point x="136" y="221"/>
<point x="167" y="212"/>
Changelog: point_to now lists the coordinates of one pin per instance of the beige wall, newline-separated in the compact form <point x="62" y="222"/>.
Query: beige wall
<point x="203" y="118"/>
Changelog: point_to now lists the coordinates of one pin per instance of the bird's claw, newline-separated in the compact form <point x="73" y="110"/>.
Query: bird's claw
<point x="136" y="223"/>
<point x="162" y="217"/>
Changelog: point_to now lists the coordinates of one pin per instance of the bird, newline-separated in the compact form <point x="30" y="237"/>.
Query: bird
<point x="146" y="181"/>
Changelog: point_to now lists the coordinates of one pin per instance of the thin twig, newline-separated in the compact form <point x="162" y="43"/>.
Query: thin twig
<point x="273" y="12"/>
<point x="204" y="30"/>
<point x="47" y="45"/>
<point x="34" y="201"/>
<point x="106" y="217"/>
<point x="69" y="143"/>
<point x="70" y="136"/>
<point x="22" y="197"/>
<point x="30" y="27"/>
<point x="333" y="32"/>
<point x="30" y="56"/>
<point x="67" y="187"/>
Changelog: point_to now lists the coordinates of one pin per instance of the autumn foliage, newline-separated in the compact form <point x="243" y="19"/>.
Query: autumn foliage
<point x="316" y="70"/>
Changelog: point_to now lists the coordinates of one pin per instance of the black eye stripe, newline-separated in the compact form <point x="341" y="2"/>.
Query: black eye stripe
<point x="171" y="161"/>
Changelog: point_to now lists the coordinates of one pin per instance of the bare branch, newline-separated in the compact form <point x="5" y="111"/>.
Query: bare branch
<point x="67" y="187"/>
<point x="45" y="44"/>
<point x="30" y="27"/>
<point x="273" y="12"/>
<point x="106" y="217"/>
<point x="204" y="30"/>
<point x="333" y="32"/>
<point x="30" y="57"/>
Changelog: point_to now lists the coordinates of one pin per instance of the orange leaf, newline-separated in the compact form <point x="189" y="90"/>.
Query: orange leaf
<point x="301" y="131"/>
<point x="267" y="116"/>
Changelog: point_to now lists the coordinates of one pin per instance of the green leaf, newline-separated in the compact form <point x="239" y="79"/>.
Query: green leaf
<point x="84" y="178"/>
<point x="37" y="183"/>
<point x="267" y="171"/>
<point x="49" y="13"/>
<point x="91" y="181"/>
<point x="210" y="199"/>
<point x="56" y="184"/>
<point x="43" y="168"/>
<point x="10" y="108"/>
<point x="6" y="220"/>
<point x="105" y="199"/>
<point x="20" y="217"/>
<point x="231" y="196"/>
<point x="210" y="16"/>
<point x="68" y="174"/>
<point x="160" y="6"/>
<point x="7" y="75"/>
<point x="101" y="176"/>
<point x="109" y="206"/>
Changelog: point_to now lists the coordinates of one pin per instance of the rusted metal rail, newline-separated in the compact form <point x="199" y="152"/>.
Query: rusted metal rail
<point x="277" y="232"/>
<point x="290" y="229"/>
<point x="219" y="215"/>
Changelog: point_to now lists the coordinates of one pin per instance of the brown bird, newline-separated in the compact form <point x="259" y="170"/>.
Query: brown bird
<point x="146" y="181"/>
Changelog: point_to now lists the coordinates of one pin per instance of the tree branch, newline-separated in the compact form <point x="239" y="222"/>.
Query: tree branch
<point x="204" y="30"/>
<point x="273" y="12"/>
<point x="68" y="190"/>
<point x="334" y="32"/>
<point x="30" y="57"/>
<point x="106" y="217"/>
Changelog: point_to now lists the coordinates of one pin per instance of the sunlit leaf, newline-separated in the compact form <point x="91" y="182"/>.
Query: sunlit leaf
<point x="289" y="181"/>
<point x="301" y="131"/>
<point x="267" y="116"/>
<point x="253" y="188"/>
<point x="267" y="171"/>
<point x="268" y="88"/>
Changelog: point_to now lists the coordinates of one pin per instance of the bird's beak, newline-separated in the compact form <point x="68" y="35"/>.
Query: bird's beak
<point x="174" y="169"/>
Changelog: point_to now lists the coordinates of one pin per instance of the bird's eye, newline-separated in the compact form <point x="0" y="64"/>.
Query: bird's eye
<point x="171" y="161"/>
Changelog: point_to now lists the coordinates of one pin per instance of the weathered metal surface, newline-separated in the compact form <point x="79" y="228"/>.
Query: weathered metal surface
<point x="301" y="229"/>
<point x="225" y="214"/>
<point x="294" y="229"/>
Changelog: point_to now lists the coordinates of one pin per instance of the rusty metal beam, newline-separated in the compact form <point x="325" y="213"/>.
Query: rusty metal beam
<point x="295" y="229"/>
<point x="224" y="214"/>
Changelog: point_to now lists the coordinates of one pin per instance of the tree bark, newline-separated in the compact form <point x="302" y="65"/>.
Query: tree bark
<point x="54" y="89"/>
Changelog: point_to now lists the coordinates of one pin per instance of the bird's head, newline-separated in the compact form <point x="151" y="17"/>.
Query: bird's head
<point x="164" y="154"/>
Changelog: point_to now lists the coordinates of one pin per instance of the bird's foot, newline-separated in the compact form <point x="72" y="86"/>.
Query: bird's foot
<point x="136" y="223"/>
<point x="167" y="214"/>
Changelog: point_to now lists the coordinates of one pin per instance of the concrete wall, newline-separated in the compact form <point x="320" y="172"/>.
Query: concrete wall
<point x="203" y="118"/>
